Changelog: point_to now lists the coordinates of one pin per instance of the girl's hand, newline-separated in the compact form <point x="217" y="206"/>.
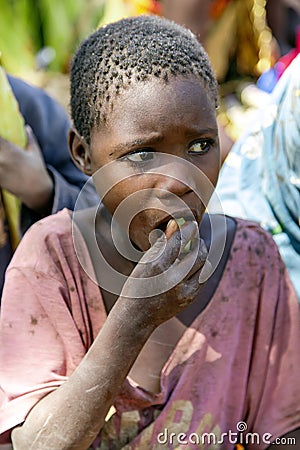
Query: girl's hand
<point x="186" y="253"/>
<point x="24" y="174"/>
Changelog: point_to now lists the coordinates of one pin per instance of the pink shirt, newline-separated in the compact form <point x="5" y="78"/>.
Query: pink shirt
<point x="238" y="361"/>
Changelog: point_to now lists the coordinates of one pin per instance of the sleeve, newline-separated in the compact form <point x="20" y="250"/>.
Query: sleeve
<point x="42" y="325"/>
<point x="29" y="370"/>
<point x="273" y="397"/>
<point x="67" y="196"/>
<point x="51" y="125"/>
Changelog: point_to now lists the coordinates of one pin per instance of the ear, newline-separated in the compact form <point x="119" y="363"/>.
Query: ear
<point x="80" y="152"/>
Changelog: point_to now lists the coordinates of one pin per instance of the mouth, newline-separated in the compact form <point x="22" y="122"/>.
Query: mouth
<point x="179" y="216"/>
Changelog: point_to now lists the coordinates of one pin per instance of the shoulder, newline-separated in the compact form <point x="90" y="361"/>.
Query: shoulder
<point x="236" y="243"/>
<point x="47" y="118"/>
<point x="254" y="263"/>
<point x="21" y="88"/>
<point x="252" y="237"/>
<point x="57" y="224"/>
<point x="243" y="253"/>
<point x="29" y="95"/>
<point x="48" y="239"/>
<point x="33" y="100"/>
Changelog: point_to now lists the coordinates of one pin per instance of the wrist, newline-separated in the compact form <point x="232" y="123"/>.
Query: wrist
<point x="41" y="200"/>
<point x="133" y="317"/>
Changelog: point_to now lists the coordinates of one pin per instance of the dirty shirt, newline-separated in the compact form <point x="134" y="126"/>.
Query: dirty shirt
<point x="234" y="371"/>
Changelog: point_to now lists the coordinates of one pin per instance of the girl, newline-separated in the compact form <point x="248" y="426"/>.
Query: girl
<point x="182" y="335"/>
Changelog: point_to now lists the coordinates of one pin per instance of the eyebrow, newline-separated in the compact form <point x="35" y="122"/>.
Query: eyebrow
<point x="201" y="131"/>
<point x="145" y="142"/>
<point x="148" y="142"/>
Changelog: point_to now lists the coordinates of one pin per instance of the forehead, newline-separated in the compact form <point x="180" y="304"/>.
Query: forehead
<point x="145" y="106"/>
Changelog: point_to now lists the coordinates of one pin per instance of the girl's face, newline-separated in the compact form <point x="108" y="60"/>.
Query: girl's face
<point x="161" y="139"/>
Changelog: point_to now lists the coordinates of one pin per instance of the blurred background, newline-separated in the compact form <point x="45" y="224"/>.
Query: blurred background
<point x="38" y="37"/>
<point x="244" y="39"/>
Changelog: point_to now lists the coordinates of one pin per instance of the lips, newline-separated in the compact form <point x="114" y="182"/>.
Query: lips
<point x="186" y="215"/>
<point x="171" y="227"/>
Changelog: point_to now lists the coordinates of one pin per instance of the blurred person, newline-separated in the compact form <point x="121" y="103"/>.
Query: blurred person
<point x="234" y="33"/>
<point x="239" y="43"/>
<point x="284" y="19"/>
<point x="260" y="179"/>
<point x="118" y="9"/>
<point x="43" y="176"/>
<point x="113" y="352"/>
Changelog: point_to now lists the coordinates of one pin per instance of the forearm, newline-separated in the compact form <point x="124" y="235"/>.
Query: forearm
<point x="72" y="416"/>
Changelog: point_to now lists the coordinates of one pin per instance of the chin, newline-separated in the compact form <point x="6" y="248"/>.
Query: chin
<point x="142" y="244"/>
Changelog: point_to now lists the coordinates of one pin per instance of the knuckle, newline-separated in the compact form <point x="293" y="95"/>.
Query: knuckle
<point x="203" y="252"/>
<point x="177" y="238"/>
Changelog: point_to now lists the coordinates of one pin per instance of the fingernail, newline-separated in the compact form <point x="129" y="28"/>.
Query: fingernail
<point x="205" y="272"/>
<point x="171" y="228"/>
<point x="111" y="412"/>
<point x="187" y="247"/>
<point x="170" y="224"/>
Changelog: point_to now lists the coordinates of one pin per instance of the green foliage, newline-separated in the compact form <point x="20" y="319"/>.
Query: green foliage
<point x="28" y="25"/>
<point x="16" y="44"/>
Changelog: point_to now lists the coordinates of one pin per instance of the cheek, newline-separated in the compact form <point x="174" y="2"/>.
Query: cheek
<point x="126" y="198"/>
<point x="211" y="167"/>
<point x="122" y="202"/>
<point x="213" y="177"/>
<point x="111" y="201"/>
<point x="207" y="179"/>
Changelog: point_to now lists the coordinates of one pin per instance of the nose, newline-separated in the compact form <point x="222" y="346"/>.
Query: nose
<point x="168" y="185"/>
<point x="175" y="179"/>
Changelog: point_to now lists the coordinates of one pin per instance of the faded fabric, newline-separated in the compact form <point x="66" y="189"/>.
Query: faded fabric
<point x="50" y="125"/>
<point x="260" y="179"/>
<point x="238" y="361"/>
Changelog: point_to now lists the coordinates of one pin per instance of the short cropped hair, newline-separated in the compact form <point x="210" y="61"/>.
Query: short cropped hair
<point x="131" y="50"/>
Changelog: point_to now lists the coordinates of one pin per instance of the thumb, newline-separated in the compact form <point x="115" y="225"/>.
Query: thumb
<point x="158" y="242"/>
<point x="157" y="238"/>
<point x="32" y="144"/>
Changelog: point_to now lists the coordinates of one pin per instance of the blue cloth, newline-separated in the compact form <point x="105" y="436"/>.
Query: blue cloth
<point x="260" y="179"/>
<point x="50" y="125"/>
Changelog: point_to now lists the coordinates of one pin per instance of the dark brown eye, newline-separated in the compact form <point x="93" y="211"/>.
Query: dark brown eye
<point x="140" y="156"/>
<point x="201" y="146"/>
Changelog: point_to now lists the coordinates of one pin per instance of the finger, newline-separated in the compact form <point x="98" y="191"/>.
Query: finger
<point x="164" y="252"/>
<point x="32" y="144"/>
<point x="205" y="272"/>
<point x="9" y="159"/>
<point x="6" y="146"/>
<point x="194" y="260"/>
<point x="9" y="146"/>
<point x="188" y="291"/>
<point x="179" y="240"/>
